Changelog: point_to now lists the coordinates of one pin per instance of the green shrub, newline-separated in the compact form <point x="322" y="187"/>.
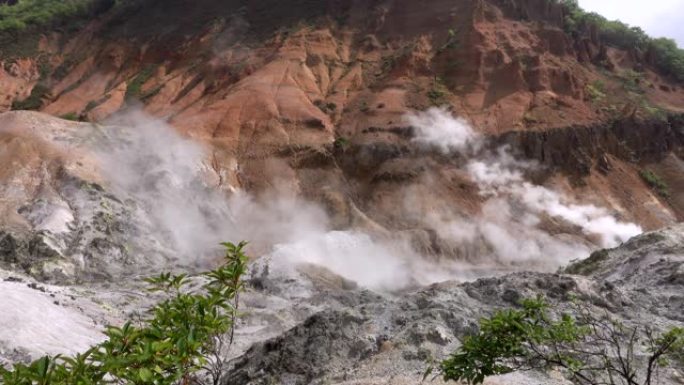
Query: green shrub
<point x="596" y="91"/>
<point x="587" y="347"/>
<point x="437" y="93"/>
<point x="451" y="43"/>
<point x="669" y="58"/>
<point x="179" y="342"/>
<point x="328" y="108"/>
<point x="63" y="69"/>
<point x="589" y="265"/>
<point x="71" y="116"/>
<point x="632" y="81"/>
<point x="44" y="68"/>
<point x="34" y="101"/>
<point x="91" y="105"/>
<point x="341" y="142"/>
<point x="134" y="89"/>
<point x="39" y="13"/>
<point x="655" y="183"/>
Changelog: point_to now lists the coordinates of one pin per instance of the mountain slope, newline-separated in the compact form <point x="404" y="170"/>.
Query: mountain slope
<point x="310" y="98"/>
<point x="366" y="149"/>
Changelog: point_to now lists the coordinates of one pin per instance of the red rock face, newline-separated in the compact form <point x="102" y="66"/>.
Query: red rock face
<point x="275" y="86"/>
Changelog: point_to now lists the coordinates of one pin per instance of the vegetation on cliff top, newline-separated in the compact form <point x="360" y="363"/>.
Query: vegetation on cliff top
<point x="667" y="57"/>
<point x="663" y="52"/>
<point x="47" y="13"/>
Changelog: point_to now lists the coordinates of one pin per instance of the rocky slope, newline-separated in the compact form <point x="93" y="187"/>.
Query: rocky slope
<point x="272" y="87"/>
<point x="310" y="326"/>
<point x="365" y="338"/>
<point x="367" y="149"/>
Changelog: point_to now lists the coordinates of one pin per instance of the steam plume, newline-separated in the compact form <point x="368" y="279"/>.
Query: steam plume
<point x="509" y="222"/>
<point x="146" y="160"/>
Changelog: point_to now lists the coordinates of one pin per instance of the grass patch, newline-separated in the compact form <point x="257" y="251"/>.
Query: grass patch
<point x="92" y="105"/>
<point x="77" y="83"/>
<point x="23" y="22"/>
<point x="328" y="108"/>
<point x="589" y="265"/>
<point x="67" y="65"/>
<point x="71" y="116"/>
<point x="596" y="91"/>
<point x="134" y="88"/>
<point x="33" y="101"/>
<point x="451" y="43"/>
<point x="668" y="57"/>
<point x="437" y="93"/>
<point x="39" y="13"/>
<point x="341" y="142"/>
<point x="44" y="68"/>
<point x="655" y="183"/>
<point x="632" y="81"/>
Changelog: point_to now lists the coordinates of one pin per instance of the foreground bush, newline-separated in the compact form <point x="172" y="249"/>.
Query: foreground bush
<point x="180" y="342"/>
<point x="588" y="348"/>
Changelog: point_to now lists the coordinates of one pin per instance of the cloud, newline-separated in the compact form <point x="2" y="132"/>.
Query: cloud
<point x="166" y="175"/>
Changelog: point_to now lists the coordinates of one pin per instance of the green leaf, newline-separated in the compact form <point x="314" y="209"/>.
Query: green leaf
<point x="146" y="375"/>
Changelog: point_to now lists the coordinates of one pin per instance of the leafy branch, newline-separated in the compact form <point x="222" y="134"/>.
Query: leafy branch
<point x="589" y="348"/>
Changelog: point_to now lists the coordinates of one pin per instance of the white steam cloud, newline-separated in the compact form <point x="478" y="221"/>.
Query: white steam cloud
<point x="501" y="174"/>
<point x="510" y="218"/>
<point x="437" y="128"/>
<point x="166" y="175"/>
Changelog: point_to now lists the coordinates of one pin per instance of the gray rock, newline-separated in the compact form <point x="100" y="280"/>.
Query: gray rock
<point x="385" y="337"/>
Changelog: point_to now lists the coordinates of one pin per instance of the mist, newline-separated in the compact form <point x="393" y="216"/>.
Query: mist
<point x="500" y="174"/>
<point x="168" y="178"/>
<point x="438" y="129"/>
<point x="508" y="229"/>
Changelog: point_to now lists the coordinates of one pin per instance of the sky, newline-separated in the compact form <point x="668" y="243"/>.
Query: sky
<point x="659" y="18"/>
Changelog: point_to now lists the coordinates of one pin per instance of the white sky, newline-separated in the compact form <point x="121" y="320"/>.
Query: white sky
<point x="659" y="18"/>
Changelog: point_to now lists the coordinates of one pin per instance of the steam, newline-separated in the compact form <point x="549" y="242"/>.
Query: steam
<point x="436" y="128"/>
<point x="509" y="222"/>
<point x="353" y="255"/>
<point x="147" y="162"/>
<point x="167" y="176"/>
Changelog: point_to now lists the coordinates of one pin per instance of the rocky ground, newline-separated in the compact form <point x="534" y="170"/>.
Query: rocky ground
<point x="362" y="337"/>
<point x="311" y="326"/>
